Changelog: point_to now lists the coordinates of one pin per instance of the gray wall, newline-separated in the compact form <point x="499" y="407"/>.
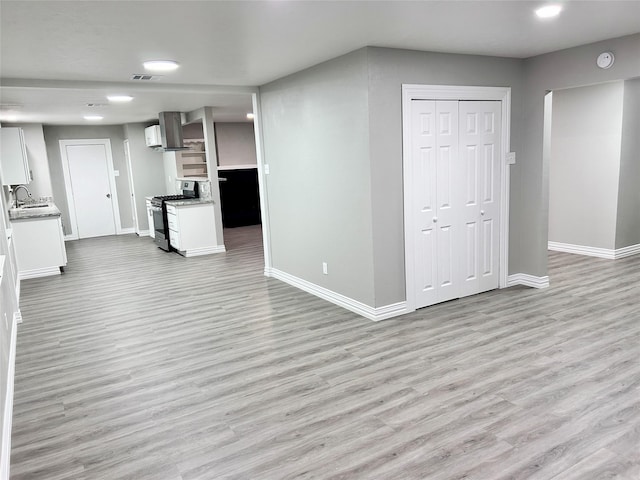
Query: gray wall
<point x="53" y="134"/>
<point x="147" y="168"/>
<point x="302" y="111"/>
<point x="584" y="170"/>
<point x="568" y="68"/>
<point x="388" y="70"/>
<point x="316" y="143"/>
<point x="236" y="144"/>
<point x="628" y="224"/>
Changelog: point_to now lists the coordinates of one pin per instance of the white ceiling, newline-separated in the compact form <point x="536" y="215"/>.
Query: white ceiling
<point x="57" y="56"/>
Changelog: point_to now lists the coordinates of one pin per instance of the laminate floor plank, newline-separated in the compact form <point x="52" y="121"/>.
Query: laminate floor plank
<point x="140" y="364"/>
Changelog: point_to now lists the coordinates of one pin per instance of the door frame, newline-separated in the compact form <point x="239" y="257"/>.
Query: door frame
<point x="73" y="235"/>
<point x="412" y="92"/>
<point x="132" y="191"/>
<point x="263" y="170"/>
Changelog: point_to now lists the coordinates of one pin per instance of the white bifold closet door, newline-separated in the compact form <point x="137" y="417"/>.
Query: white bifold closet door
<point x="456" y="205"/>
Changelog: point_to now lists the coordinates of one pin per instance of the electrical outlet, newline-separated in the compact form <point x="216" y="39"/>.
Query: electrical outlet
<point x="266" y="169"/>
<point x="324" y="268"/>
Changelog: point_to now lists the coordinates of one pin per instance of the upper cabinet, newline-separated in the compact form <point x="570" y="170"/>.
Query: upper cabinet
<point x="13" y="157"/>
<point x="153" y="136"/>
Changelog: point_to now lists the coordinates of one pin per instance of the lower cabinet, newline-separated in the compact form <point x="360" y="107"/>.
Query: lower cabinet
<point x="192" y="229"/>
<point x="39" y="246"/>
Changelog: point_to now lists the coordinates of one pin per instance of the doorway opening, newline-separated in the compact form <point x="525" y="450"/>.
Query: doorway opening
<point x="590" y="147"/>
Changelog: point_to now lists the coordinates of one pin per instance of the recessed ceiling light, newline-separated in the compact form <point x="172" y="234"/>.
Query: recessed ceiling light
<point x="93" y="117"/>
<point x="119" y="98"/>
<point x="250" y="116"/>
<point x="8" y="117"/>
<point x="160" y="65"/>
<point x="549" y="11"/>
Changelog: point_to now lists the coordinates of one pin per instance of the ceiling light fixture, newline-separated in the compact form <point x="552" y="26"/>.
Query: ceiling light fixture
<point x="160" y="65"/>
<point x="93" y="117"/>
<point x="8" y="118"/>
<point x="250" y="116"/>
<point x="549" y="11"/>
<point x="119" y="98"/>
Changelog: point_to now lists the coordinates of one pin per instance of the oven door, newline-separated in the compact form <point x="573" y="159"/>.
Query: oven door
<point x="159" y="227"/>
<point x="158" y="221"/>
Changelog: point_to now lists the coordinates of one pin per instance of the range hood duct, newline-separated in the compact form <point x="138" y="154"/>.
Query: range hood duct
<point x="171" y="131"/>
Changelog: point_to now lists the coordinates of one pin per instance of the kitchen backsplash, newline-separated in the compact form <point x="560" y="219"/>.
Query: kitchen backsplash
<point x="204" y="189"/>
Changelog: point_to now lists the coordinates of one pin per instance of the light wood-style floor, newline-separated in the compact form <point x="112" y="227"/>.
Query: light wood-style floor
<point x="138" y="364"/>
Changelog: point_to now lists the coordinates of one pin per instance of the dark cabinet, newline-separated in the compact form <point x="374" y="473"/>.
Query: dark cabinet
<point x="239" y="197"/>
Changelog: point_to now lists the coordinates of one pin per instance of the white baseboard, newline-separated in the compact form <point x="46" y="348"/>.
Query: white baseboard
<point x="607" y="253"/>
<point x="194" y="252"/>
<point x="627" y="251"/>
<point x="527" y="280"/>
<point x="7" y="415"/>
<point x="143" y="233"/>
<point x="122" y="231"/>
<point x="38" y="272"/>
<point x="372" y="313"/>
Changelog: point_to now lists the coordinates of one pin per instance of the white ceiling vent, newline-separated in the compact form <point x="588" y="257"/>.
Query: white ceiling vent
<point x="96" y="104"/>
<point x="11" y="106"/>
<point x="145" y="76"/>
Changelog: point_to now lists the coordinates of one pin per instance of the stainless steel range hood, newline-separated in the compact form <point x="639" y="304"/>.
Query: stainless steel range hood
<point x="171" y="131"/>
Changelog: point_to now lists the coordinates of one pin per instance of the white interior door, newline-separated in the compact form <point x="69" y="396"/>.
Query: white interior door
<point x="434" y="145"/>
<point x="480" y="154"/>
<point x="455" y="150"/>
<point x="89" y="178"/>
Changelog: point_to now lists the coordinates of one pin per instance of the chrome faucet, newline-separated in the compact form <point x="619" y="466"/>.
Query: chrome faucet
<point x="15" y="193"/>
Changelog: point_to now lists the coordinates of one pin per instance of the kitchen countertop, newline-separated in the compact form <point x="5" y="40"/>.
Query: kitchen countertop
<point x="189" y="201"/>
<point x="22" y="213"/>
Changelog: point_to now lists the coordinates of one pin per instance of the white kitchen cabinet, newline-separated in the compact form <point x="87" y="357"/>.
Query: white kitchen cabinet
<point x="39" y="246"/>
<point x="152" y="231"/>
<point x="152" y="136"/>
<point x="13" y="157"/>
<point x="192" y="229"/>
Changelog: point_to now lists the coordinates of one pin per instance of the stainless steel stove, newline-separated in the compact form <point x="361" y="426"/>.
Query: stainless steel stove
<point x="159" y="209"/>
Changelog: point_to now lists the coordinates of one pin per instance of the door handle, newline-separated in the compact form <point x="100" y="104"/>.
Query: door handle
<point x="481" y="212"/>
<point x="435" y="219"/>
<point x="108" y="195"/>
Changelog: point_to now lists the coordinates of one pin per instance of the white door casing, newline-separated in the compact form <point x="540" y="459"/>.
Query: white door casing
<point x="482" y="269"/>
<point x="132" y="192"/>
<point x="90" y="186"/>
